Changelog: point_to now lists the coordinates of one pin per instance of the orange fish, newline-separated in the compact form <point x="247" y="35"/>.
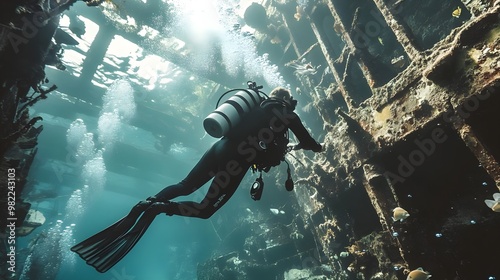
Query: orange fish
<point x="418" y="274"/>
<point x="399" y="214"/>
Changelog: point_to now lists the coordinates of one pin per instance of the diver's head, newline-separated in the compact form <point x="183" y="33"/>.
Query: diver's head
<point x="285" y="95"/>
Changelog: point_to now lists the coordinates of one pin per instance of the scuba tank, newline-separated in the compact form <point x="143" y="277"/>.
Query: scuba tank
<point x="228" y="114"/>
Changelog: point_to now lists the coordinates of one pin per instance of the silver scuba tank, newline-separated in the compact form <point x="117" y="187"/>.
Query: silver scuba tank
<point x="228" y="114"/>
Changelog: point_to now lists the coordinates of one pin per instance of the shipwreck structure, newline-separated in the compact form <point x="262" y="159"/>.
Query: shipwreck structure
<point x="406" y="94"/>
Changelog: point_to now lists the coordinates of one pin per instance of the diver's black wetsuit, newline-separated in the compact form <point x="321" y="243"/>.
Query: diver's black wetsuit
<point x="228" y="160"/>
<point x="213" y="164"/>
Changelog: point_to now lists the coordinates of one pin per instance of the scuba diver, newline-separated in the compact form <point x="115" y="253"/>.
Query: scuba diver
<point x="254" y="134"/>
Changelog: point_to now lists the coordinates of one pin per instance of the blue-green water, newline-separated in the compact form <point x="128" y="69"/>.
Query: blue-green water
<point x="100" y="154"/>
<point x="89" y="198"/>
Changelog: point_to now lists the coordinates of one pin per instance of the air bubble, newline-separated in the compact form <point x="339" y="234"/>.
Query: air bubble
<point x="472" y="222"/>
<point x="485" y="184"/>
<point x="395" y="234"/>
<point x="439" y="235"/>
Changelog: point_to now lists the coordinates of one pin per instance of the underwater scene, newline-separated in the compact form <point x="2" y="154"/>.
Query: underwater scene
<point x="249" y="140"/>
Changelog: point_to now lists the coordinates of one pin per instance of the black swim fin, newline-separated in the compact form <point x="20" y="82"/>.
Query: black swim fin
<point x="118" y="249"/>
<point x="108" y="247"/>
<point x="98" y="242"/>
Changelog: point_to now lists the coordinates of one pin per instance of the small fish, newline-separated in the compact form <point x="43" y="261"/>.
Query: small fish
<point x="418" y="274"/>
<point x="344" y="254"/>
<point x="380" y="41"/>
<point x="457" y="12"/>
<point x="495" y="203"/>
<point x="298" y="14"/>
<point x="276" y="211"/>
<point x="399" y="214"/>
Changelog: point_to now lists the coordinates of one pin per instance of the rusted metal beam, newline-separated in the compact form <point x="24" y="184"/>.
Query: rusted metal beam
<point x="292" y="39"/>
<point x="486" y="160"/>
<point x="398" y="29"/>
<point x="378" y="202"/>
<point x="329" y="60"/>
<point x="383" y="198"/>
<point x="349" y="42"/>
